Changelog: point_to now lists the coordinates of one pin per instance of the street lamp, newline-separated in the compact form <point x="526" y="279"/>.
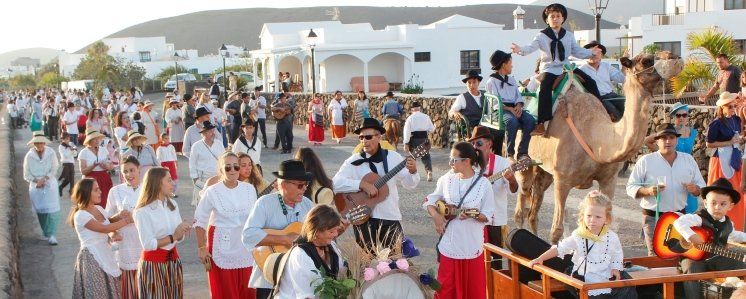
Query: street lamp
<point x="312" y="44"/>
<point x="597" y="8"/>
<point x="224" y="53"/>
<point x="176" y="70"/>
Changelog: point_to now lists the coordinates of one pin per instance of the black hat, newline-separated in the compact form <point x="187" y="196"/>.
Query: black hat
<point x="202" y="111"/>
<point x="498" y="58"/>
<point x="207" y="125"/>
<point x="416" y="104"/>
<point x="293" y="170"/>
<point x="390" y="94"/>
<point x="472" y="74"/>
<point x="665" y="129"/>
<point x="722" y="185"/>
<point x="554" y="6"/>
<point x="370" y="123"/>
<point x="187" y="97"/>
<point x="258" y="88"/>
<point x="593" y="44"/>
<point x="248" y="121"/>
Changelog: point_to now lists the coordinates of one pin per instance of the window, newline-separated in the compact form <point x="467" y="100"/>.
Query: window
<point x="421" y="56"/>
<point x="740" y="45"/>
<point x="145" y="56"/>
<point x="735" y="4"/>
<point x="469" y="61"/>
<point x="673" y="47"/>
<point x="696" y="5"/>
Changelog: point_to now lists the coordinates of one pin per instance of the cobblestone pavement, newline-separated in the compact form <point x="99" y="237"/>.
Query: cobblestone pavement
<point x="47" y="271"/>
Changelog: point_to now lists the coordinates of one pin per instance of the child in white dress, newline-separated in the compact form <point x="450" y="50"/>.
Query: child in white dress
<point x="166" y="153"/>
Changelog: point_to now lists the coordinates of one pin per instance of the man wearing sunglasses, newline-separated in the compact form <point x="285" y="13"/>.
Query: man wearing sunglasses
<point x="384" y="226"/>
<point x="203" y="158"/>
<point x="416" y="128"/>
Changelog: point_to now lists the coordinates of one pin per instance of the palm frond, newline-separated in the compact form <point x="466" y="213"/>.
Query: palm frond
<point x="712" y="42"/>
<point x="696" y="74"/>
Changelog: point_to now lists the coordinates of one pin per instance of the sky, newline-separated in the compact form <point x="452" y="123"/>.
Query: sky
<point x="73" y="24"/>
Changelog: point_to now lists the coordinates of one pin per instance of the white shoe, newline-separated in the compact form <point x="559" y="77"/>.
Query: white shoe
<point x="52" y="241"/>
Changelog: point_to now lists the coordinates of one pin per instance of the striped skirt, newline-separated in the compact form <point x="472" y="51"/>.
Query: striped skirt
<point x="90" y="281"/>
<point x="160" y="279"/>
<point x="129" y="284"/>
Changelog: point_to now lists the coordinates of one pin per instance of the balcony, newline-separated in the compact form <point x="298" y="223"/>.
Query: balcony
<point x="670" y="19"/>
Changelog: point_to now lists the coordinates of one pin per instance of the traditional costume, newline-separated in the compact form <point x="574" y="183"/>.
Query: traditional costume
<point x="203" y="161"/>
<point x="123" y="197"/>
<point x="96" y="271"/>
<point x="45" y="200"/>
<point x="159" y="274"/>
<point x="98" y="173"/>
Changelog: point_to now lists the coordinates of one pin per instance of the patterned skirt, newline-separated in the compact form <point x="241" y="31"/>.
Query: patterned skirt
<point x="129" y="284"/>
<point x="90" y="281"/>
<point x="156" y="279"/>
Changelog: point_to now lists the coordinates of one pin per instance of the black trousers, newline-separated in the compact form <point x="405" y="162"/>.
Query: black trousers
<point x="263" y="293"/>
<point x="545" y="93"/>
<point x="53" y="124"/>
<point x="426" y="159"/>
<point x="261" y="124"/>
<point x="235" y="131"/>
<point x="614" y="104"/>
<point x="378" y="232"/>
<point x="495" y="237"/>
<point x="285" y="133"/>
<point x="67" y="177"/>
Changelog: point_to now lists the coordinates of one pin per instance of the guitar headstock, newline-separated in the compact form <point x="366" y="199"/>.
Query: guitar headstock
<point x="358" y="214"/>
<point x="522" y="164"/>
<point x="420" y="151"/>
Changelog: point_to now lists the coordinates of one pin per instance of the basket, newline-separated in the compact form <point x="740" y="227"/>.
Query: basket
<point x="713" y="290"/>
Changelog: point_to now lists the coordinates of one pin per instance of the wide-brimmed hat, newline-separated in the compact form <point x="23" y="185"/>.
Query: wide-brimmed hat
<point x="725" y="98"/>
<point x="722" y="185"/>
<point x="273" y="266"/>
<point x="370" y="123"/>
<point x="498" y="58"/>
<point x="665" y="129"/>
<point x="678" y="106"/>
<point x="416" y="104"/>
<point x="169" y="95"/>
<point x="472" y="74"/>
<point x="389" y="94"/>
<point x="134" y="135"/>
<point x="562" y="9"/>
<point x="39" y="138"/>
<point x="207" y="125"/>
<point x="147" y="103"/>
<point x="174" y="101"/>
<point x="91" y="135"/>
<point x="480" y="132"/>
<point x="202" y="111"/>
<point x="594" y="44"/>
<point x="293" y="170"/>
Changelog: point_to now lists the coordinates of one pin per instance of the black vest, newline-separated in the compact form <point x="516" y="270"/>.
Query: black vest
<point x="722" y="229"/>
<point x="331" y="270"/>
<point x="473" y="112"/>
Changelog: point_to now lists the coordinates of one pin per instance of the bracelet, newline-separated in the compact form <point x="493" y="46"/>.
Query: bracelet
<point x="171" y="237"/>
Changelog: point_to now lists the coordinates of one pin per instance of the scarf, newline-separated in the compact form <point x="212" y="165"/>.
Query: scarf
<point x="503" y="80"/>
<point x="583" y="232"/>
<point x="243" y="140"/>
<point x="556" y="44"/>
<point x="375" y="158"/>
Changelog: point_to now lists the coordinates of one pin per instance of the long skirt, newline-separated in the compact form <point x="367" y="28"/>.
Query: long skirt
<point x="462" y="278"/>
<point x="315" y="132"/>
<point x="339" y="131"/>
<point x="228" y="283"/>
<point x="129" y="284"/>
<point x="171" y="165"/>
<point x="35" y="124"/>
<point x="90" y="281"/>
<point x="49" y="223"/>
<point x="160" y="279"/>
<point x="104" y="183"/>
<point x="178" y="146"/>
<point x="738" y="213"/>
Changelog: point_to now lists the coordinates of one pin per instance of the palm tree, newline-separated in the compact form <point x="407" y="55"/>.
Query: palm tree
<point x="700" y="69"/>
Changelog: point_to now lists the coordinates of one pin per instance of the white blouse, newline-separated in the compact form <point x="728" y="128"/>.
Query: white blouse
<point x="203" y="160"/>
<point x="36" y="168"/>
<point x="298" y="276"/>
<point x="604" y="256"/>
<point x="96" y="243"/>
<point x="67" y="154"/>
<point x="227" y="210"/>
<point x="166" y="153"/>
<point x="463" y="238"/>
<point x="87" y="155"/>
<point x="500" y="189"/>
<point x="337" y="111"/>
<point x="172" y="115"/>
<point x="120" y="134"/>
<point x="122" y="197"/>
<point x="155" y="221"/>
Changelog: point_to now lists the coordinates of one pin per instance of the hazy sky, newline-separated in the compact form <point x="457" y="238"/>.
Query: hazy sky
<point x="72" y="24"/>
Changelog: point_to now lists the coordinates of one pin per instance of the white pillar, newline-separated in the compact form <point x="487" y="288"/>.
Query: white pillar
<point x="275" y="70"/>
<point x="365" y="77"/>
<point x="265" y="76"/>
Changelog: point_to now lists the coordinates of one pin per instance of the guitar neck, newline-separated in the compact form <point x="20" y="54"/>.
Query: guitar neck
<point x="496" y="176"/>
<point x="721" y="251"/>
<point x="266" y="190"/>
<point x="392" y="172"/>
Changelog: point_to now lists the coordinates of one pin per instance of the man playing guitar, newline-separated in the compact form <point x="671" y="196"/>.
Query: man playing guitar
<point x="384" y="226"/>
<point x="282" y="111"/>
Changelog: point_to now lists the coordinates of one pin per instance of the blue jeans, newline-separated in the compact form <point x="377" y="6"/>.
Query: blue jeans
<point x="526" y="123"/>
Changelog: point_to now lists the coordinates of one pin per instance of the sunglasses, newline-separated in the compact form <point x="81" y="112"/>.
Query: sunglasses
<point x="682" y="115"/>
<point x="366" y="137"/>
<point x="235" y="167"/>
<point x="453" y="160"/>
<point x="302" y="185"/>
<point x="477" y="143"/>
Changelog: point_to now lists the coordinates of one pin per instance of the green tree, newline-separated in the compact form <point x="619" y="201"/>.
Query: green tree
<point x="22" y="81"/>
<point x="4" y="83"/>
<point x="700" y="69"/>
<point x="168" y="72"/>
<point x="50" y="79"/>
<point x="131" y="73"/>
<point x="99" y="66"/>
<point x="651" y="49"/>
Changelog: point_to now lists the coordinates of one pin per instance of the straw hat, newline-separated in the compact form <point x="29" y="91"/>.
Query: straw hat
<point x="91" y="135"/>
<point x="132" y="136"/>
<point x="725" y="99"/>
<point x="148" y="103"/>
<point x="39" y="138"/>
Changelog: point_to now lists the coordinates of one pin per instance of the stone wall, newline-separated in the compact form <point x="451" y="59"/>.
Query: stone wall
<point x="10" y="275"/>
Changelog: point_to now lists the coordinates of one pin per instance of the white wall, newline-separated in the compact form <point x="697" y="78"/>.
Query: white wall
<point x="336" y="72"/>
<point x="389" y="65"/>
<point x="290" y="64"/>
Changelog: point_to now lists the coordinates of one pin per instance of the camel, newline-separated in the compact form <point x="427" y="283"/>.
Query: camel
<point x="566" y="163"/>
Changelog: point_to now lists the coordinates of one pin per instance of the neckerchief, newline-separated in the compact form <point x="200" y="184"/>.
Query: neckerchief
<point x="503" y="80"/>
<point x="332" y="268"/>
<point x="583" y="232"/>
<point x="243" y="140"/>
<point x="375" y="158"/>
<point x="556" y="44"/>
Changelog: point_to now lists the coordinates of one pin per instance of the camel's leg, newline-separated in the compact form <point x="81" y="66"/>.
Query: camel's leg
<point x="561" y="190"/>
<point x="542" y="181"/>
<point x="526" y="179"/>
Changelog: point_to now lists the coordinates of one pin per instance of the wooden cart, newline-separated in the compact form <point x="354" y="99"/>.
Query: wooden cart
<point x="506" y="283"/>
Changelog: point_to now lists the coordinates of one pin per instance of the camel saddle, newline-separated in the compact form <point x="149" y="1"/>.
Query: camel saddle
<point x="560" y="86"/>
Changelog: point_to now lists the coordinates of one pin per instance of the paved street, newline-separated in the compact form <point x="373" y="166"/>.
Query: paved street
<point x="47" y="271"/>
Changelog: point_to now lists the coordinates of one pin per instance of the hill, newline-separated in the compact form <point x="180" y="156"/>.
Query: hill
<point x="207" y="30"/>
<point x="44" y="55"/>
<point x="617" y="11"/>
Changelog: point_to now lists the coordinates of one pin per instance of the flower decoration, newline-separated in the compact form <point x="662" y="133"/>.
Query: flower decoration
<point x="369" y="274"/>
<point x="429" y="280"/>
<point x="383" y="267"/>
<point x="402" y="264"/>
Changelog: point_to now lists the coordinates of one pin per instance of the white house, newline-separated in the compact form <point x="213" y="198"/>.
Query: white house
<point x="669" y="30"/>
<point x="154" y="54"/>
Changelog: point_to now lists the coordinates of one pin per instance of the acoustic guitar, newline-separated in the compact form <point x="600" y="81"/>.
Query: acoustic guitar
<point x="280" y="112"/>
<point x="522" y="164"/>
<point x="346" y="202"/>
<point x="267" y="190"/>
<point x="668" y="243"/>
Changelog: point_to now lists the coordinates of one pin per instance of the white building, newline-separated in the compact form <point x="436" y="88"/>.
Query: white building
<point x="669" y="31"/>
<point x="154" y="54"/>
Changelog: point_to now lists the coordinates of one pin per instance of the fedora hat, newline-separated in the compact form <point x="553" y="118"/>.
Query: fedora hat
<point x="248" y="122"/>
<point x="725" y="98"/>
<point x="293" y="170"/>
<point x="678" y="106"/>
<point x="39" y="138"/>
<point x="665" y="129"/>
<point x="91" y="135"/>
<point x="594" y="44"/>
<point x="187" y="97"/>
<point x="472" y="74"/>
<point x="370" y="123"/>
<point x="148" y="103"/>
<point x="480" y="132"/>
<point x="132" y="136"/>
<point x="202" y="111"/>
<point x="722" y="185"/>
<point x="207" y="125"/>
<point x="498" y="58"/>
<point x="554" y="6"/>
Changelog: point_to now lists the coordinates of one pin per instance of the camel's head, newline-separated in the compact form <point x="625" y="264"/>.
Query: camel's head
<point x="649" y="70"/>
